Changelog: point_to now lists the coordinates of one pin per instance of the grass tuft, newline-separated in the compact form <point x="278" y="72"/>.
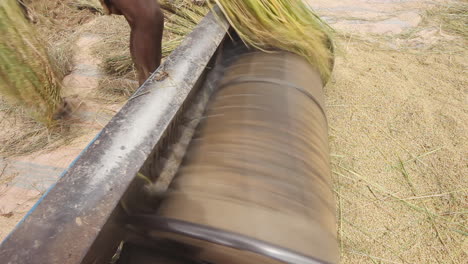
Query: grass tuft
<point x="452" y="18"/>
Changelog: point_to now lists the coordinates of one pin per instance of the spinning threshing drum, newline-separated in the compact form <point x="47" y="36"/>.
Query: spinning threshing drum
<point x="258" y="166"/>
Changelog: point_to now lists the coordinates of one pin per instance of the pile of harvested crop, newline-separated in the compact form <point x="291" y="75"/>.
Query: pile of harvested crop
<point x="289" y="25"/>
<point x="27" y="76"/>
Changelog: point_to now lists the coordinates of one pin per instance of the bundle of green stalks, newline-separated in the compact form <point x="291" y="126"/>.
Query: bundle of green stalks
<point x="289" y="25"/>
<point x="27" y="77"/>
<point x="181" y="17"/>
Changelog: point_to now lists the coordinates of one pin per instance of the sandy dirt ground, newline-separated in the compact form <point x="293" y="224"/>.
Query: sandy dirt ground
<point x="397" y="109"/>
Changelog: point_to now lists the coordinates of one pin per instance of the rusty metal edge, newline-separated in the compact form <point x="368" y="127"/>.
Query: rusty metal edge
<point x="65" y="222"/>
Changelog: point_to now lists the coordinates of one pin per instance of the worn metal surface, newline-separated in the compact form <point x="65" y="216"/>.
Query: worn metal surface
<point x="222" y="243"/>
<point x="80" y="214"/>
<point x="258" y="165"/>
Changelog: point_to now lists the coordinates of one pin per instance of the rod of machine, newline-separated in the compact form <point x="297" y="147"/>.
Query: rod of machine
<point x="258" y="167"/>
<point x="223" y="238"/>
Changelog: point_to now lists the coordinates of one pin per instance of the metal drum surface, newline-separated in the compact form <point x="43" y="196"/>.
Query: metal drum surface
<point x="258" y="165"/>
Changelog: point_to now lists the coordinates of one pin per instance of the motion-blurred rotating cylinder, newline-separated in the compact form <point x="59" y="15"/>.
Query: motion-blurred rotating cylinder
<point x="258" y="166"/>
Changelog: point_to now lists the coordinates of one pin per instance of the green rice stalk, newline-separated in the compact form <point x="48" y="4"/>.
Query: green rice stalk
<point x="199" y="10"/>
<point x="167" y="5"/>
<point x="27" y="77"/>
<point x="289" y="25"/>
<point x="171" y="45"/>
<point x="177" y="6"/>
<point x="182" y="16"/>
<point x="177" y="30"/>
<point x="192" y="16"/>
<point x="175" y="19"/>
<point x="183" y="13"/>
<point x="182" y="20"/>
<point x="118" y="65"/>
<point x="92" y="5"/>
